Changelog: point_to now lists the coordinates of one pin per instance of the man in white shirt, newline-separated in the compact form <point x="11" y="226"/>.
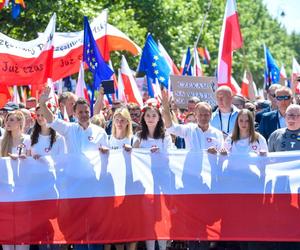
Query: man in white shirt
<point x="225" y="115"/>
<point x="81" y="137"/>
<point x="197" y="136"/>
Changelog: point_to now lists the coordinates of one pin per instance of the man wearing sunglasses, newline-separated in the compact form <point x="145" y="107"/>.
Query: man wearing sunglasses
<point x="276" y="119"/>
<point x="287" y="139"/>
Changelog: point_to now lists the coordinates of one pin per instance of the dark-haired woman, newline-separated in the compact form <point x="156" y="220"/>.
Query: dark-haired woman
<point x="44" y="140"/>
<point x="152" y="135"/>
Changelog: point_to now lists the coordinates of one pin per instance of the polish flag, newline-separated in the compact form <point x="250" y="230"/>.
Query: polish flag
<point x="16" y="96"/>
<point x="121" y="197"/>
<point x="230" y="40"/>
<point x="81" y="90"/>
<point x="182" y="64"/>
<point x="121" y="94"/>
<point x="283" y="75"/>
<point x="24" y="63"/>
<point x="249" y="89"/>
<point x="197" y="65"/>
<point x="53" y="101"/>
<point x="69" y="45"/>
<point x="295" y="74"/>
<point x="173" y="67"/>
<point x="131" y="90"/>
<point x="235" y="86"/>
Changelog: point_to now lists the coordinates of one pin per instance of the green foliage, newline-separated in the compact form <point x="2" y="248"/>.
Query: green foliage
<point x="175" y="23"/>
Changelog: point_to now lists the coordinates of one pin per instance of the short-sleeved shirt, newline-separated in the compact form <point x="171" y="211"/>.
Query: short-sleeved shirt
<point x="42" y="147"/>
<point x="162" y="144"/>
<point x="195" y="138"/>
<point x="78" y="139"/>
<point x="115" y="143"/>
<point x="244" y="146"/>
<point x="284" y="139"/>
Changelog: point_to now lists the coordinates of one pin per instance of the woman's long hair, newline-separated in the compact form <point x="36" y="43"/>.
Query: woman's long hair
<point x="7" y="141"/>
<point x="36" y="133"/>
<point x="124" y="113"/>
<point x="253" y="136"/>
<point x="159" y="132"/>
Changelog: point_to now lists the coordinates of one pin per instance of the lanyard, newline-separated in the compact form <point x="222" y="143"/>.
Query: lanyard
<point x="220" y="117"/>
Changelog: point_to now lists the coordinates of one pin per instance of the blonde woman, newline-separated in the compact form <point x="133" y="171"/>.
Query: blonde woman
<point x="15" y="144"/>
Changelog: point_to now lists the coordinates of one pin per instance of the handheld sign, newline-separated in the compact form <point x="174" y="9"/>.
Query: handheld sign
<point x="108" y="86"/>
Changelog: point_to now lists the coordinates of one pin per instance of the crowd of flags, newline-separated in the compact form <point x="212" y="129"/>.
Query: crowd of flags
<point x="157" y="65"/>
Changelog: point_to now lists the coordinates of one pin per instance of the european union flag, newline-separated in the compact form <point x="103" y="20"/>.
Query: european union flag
<point x="187" y="70"/>
<point x="153" y="63"/>
<point x="272" y="71"/>
<point x="93" y="57"/>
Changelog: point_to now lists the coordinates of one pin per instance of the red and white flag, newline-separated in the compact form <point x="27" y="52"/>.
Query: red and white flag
<point x="24" y="63"/>
<point x="131" y="90"/>
<point x="182" y="64"/>
<point x="121" y="94"/>
<point x="69" y="46"/>
<point x="168" y="195"/>
<point x="197" y="64"/>
<point x="249" y="89"/>
<point x="230" y="40"/>
<point x="81" y="89"/>
<point x="16" y="97"/>
<point x="295" y="74"/>
<point x="173" y="67"/>
<point x="283" y="75"/>
<point x="235" y="86"/>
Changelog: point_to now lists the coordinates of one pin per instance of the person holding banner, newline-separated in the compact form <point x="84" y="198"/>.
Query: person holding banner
<point x="45" y="140"/>
<point x="244" y="138"/>
<point x="198" y="136"/>
<point x="153" y="136"/>
<point x="15" y="144"/>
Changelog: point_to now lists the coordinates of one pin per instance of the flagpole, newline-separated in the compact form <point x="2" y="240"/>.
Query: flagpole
<point x="200" y="32"/>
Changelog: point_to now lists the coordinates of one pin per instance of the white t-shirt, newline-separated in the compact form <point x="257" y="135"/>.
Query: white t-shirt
<point x="25" y="146"/>
<point x="78" y="139"/>
<point x="195" y="138"/>
<point x="224" y="120"/>
<point x="243" y="146"/>
<point x="115" y="143"/>
<point x="162" y="144"/>
<point x="42" y="147"/>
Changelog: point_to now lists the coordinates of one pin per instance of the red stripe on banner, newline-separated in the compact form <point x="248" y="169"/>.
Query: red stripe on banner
<point x="16" y="70"/>
<point x="140" y="217"/>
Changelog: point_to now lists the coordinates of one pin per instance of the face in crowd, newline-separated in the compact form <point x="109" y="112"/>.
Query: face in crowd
<point x="224" y="98"/>
<point x="82" y="112"/>
<point x="283" y="99"/>
<point x="203" y="114"/>
<point x="292" y="117"/>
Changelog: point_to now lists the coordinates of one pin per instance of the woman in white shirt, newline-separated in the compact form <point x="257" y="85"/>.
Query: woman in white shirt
<point x="121" y="130"/>
<point x="15" y="144"/>
<point x="153" y="136"/>
<point x="45" y="140"/>
<point x="244" y="139"/>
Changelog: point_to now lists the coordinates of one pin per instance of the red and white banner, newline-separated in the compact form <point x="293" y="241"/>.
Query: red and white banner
<point x="122" y="197"/>
<point x="23" y="63"/>
<point x="130" y="88"/>
<point x="69" y="46"/>
<point x="230" y="40"/>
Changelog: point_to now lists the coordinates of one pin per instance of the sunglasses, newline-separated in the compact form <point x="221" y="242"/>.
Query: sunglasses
<point x="283" y="98"/>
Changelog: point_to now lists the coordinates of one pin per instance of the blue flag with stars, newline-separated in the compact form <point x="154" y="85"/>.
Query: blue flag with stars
<point x="187" y="70"/>
<point x="272" y="71"/>
<point x="153" y="63"/>
<point x="93" y="57"/>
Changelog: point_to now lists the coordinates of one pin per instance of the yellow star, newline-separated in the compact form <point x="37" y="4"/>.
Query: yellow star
<point x="161" y="79"/>
<point x="154" y="64"/>
<point x="156" y="72"/>
<point x="155" y="57"/>
<point x="93" y="59"/>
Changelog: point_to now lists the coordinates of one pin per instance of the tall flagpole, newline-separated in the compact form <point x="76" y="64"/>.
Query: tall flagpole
<point x="200" y="32"/>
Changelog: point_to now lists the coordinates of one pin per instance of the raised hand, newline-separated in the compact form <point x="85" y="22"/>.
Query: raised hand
<point x="165" y="99"/>
<point x="45" y="95"/>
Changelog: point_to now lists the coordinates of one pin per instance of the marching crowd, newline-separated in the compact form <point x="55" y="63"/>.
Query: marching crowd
<point x="235" y="125"/>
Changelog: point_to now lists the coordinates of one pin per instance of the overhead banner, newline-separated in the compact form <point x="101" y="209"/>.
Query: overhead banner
<point x="69" y="46"/>
<point x="24" y="63"/>
<point x="185" y="87"/>
<point x="123" y="197"/>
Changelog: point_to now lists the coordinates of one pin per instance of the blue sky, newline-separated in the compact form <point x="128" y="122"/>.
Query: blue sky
<point x="291" y="20"/>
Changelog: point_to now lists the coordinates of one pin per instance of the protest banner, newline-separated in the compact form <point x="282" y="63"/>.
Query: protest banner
<point x="185" y="87"/>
